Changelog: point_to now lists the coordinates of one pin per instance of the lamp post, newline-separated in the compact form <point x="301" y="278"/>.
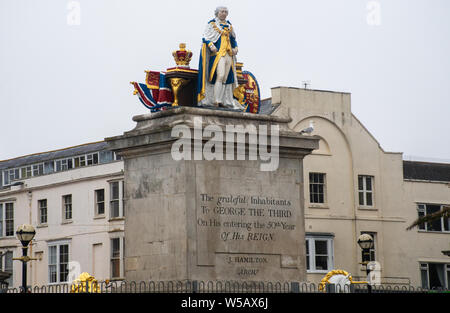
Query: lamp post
<point x="365" y="241"/>
<point x="25" y="233"/>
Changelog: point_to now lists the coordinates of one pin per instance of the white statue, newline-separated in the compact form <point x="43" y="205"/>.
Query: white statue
<point x="217" y="77"/>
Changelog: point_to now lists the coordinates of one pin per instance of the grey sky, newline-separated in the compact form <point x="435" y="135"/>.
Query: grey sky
<point x="63" y="85"/>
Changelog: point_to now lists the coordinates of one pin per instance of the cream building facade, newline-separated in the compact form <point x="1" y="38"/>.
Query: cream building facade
<point x="352" y="186"/>
<point x="74" y="198"/>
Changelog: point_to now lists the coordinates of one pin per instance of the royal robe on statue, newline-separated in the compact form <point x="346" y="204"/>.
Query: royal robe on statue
<point x="222" y="36"/>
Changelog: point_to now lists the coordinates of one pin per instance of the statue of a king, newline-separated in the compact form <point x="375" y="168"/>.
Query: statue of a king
<point x="217" y="67"/>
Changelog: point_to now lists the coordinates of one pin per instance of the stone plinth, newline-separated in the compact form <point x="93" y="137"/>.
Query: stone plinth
<point x="217" y="219"/>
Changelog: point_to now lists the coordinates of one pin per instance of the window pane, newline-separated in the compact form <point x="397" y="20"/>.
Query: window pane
<point x="115" y="257"/>
<point x="100" y="195"/>
<point x="63" y="272"/>
<point x="424" y="278"/>
<point x="100" y="198"/>
<point x="446" y="226"/>
<point x="361" y="198"/>
<point x="64" y="253"/>
<point x="43" y="217"/>
<point x="115" y="268"/>
<point x="89" y="159"/>
<point x="115" y="247"/>
<point x="436" y="275"/>
<point x="320" y="189"/>
<point x="317" y="187"/>
<point x="114" y="190"/>
<point x="421" y="214"/>
<point x="68" y="213"/>
<point x="101" y="208"/>
<point x="315" y="198"/>
<point x="35" y="170"/>
<point x="115" y="208"/>
<point x="63" y="262"/>
<point x="52" y="273"/>
<point x="96" y="158"/>
<point x="436" y="224"/>
<point x="42" y="211"/>
<point x="360" y="183"/>
<point x="308" y="266"/>
<point x="369" y="198"/>
<point x="368" y="183"/>
<point x="5" y="178"/>
<point x="321" y="262"/>
<point x="67" y="207"/>
<point x="321" y="247"/>
<point x="8" y="257"/>
<point x="9" y="219"/>
<point x="52" y="255"/>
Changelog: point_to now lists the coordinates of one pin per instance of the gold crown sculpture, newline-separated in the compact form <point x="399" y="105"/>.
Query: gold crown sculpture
<point x="182" y="57"/>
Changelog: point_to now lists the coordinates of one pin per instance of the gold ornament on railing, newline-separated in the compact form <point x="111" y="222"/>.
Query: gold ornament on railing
<point x="86" y="283"/>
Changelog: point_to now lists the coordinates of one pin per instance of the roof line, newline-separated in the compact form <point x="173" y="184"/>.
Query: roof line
<point x="428" y="162"/>
<point x="27" y="155"/>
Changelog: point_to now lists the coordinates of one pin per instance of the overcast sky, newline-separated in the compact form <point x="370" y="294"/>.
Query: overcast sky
<point x="65" y="72"/>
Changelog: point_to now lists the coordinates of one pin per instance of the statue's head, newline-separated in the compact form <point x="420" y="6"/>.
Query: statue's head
<point x="221" y="12"/>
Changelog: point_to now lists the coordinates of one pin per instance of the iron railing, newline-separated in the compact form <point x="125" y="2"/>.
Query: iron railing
<point x="194" y="286"/>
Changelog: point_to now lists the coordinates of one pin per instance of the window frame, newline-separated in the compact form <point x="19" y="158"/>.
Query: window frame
<point x="424" y="268"/>
<point x="3" y="220"/>
<point x="40" y="208"/>
<point x="311" y="255"/>
<point x="3" y="261"/>
<point x="77" y="161"/>
<point x="66" y="205"/>
<point x="120" y="258"/>
<point x="119" y="200"/>
<point x="312" y="175"/>
<point x="422" y="211"/>
<point x="365" y="191"/>
<point x="97" y="202"/>
<point x="58" y="261"/>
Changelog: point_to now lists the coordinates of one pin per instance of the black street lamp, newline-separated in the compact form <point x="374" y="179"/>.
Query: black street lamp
<point x="365" y="241"/>
<point x="25" y="233"/>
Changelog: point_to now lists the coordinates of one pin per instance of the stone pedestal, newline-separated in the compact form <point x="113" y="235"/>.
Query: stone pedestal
<point x="212" y="220"/>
